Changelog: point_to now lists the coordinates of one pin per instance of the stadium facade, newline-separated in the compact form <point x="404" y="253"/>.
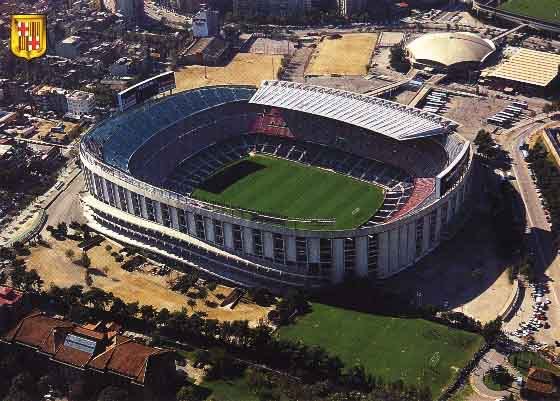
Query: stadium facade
<point x="142" y="166"/>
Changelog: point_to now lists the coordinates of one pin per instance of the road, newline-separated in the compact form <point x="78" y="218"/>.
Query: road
<point x="541" y="237"/>
<point x="492" y="359"/>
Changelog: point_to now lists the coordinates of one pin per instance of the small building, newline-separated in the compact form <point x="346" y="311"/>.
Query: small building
<point x="80" y="102"/>
<point x="96" y="352"/>
<point x="50" y="98"/>
<point x="205" y="23"/>
<point x="527" y="70"/>
<point x="204" y="51"/>
<point x="70" y="47"/>
<point x="541" y="383"/>
<point x="13" y="304"/>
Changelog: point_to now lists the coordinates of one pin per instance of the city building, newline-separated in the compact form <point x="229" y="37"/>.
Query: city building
<point x="205" y="23"/>
<point x="349" y="8"/>
<point x="204" y="51"/>
<point x="267" y="8"/>
<point x="50" y="98"/>
<point x="80" y="102"/>
<point x="541" y="383"/>
<point x="131" y="10"/>
<point x="71" y="47"/>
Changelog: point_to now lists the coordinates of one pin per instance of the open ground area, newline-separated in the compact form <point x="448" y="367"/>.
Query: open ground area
<point x="414" y="350"/>
<point x="244" y="69"/>
<point x="348" y="55"/>
<point x="284" y="188"/>
<point x="548" y="10"/>
<point x="55" y="267"/>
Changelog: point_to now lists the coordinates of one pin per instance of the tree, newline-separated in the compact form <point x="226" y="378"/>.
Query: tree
<point x="97" y="298"/>
<point x="191" y="393"/>
<point x="148" y="313"/>
<point x="113" y="393"/>
<point x="70" y="253"/>
<point x="492" y="330"/>
<point x="397" y="58"/>
<point x="85" y="261"/>
<point x="132" y="309"/>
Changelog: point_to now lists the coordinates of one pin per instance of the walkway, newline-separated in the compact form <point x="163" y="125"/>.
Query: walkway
<point x="492" y="359"/>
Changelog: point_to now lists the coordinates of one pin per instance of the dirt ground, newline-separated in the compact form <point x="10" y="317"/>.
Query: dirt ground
<point x="244" y="69"/>
<point x="463" y="274"/>
<point x="472" y="113"/>
<point x="55" y="267"/>
<point x="348" y="55"/>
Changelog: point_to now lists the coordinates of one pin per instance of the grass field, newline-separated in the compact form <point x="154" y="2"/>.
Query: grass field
<point x="547" y="10"/>
<point x="523" y="360"/>
<point x="348" y="55"/>
<point x="392" y="348"/>
<point x="280" y="187"/>
<point x="244" y="69"/>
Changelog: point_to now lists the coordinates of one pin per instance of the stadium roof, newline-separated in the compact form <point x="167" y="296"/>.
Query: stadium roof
<point x="528" y="66"/>
<point x="375" y="114"/>
<point x="450" y="48"/>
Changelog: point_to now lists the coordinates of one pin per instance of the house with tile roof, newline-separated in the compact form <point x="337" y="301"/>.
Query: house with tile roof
<point x="98" y="352"/>
<point x="542" y="383"/>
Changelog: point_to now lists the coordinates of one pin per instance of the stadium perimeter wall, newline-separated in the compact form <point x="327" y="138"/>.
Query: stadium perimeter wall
<point x="380" y="251"/>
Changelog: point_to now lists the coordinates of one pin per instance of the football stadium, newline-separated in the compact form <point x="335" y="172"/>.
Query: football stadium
<point x="285" y="185"/>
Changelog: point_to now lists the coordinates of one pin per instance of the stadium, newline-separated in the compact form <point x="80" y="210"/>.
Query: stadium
<point x="287" y="185"/>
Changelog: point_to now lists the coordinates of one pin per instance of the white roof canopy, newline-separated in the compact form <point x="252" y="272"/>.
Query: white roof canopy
<point x="375" y="114"/>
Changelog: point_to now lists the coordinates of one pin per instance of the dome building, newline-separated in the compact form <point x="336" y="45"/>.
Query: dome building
<point x="449" y="51"/>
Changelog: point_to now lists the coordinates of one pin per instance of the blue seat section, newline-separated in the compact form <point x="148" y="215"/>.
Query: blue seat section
<point x="122" y="135"/>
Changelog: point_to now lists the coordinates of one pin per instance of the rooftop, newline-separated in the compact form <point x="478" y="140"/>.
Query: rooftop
<point x="527" y="66"/>
<point x="94" y="347"/>
<point x="9" y="296"/>
<point x="375" y="114"/>
<point x="450" y="48"/>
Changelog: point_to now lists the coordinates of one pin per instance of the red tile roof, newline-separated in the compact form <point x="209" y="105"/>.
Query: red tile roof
<point x="540" y="381"/>
<point x="117" y="354"/>
<point x="9" y="296"/>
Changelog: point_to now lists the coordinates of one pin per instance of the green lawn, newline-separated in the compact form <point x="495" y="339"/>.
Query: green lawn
<point x="229" y="390"/>
<point x="279" y="187"/>
<point x="548" y="10"/>
<point x="414" y="350"/>
<point x="523" y="360"/>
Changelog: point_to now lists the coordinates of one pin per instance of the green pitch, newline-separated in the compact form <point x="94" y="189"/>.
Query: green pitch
<point x="283" y="188"/>
<point x="547" y="10"/>
<point x="414" y="350"/>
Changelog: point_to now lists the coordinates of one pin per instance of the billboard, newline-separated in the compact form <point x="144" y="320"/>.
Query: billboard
<point x="145" y="90"/>
<point x="449" y="177"/>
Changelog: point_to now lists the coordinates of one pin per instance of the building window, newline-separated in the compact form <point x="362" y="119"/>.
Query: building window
<point x="372" y="251"/>
<point x="433" y="223"/>
<point x="237" y="238"/>
<point x="182" y="221"/>
<point x="150" y="209"/>
<point x="301" y="250"/>
<point x="325" y="254"/>
<point x="199" y="226"/>
<point x="136" y="205"/>
<point x="122" y="199"/>
<point x="98" y="187"/>
<point x="278" y="246"/>
<point x="349" y="255"/>
<point x="419" y="236"/>
<point x="218" y="232"/>
<point x="165" y="215"/>
<point x="443" y="216"/>
<point x="110" y="193"/>
<point x="258" y="243"/>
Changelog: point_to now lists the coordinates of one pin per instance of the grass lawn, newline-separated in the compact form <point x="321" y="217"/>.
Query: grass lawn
<point x="229" y="390"/>
<point x="548" y="10"/>
<point x="522" y="360"/>
<point x="414" y="350"/>
<point x="279" y="187"/>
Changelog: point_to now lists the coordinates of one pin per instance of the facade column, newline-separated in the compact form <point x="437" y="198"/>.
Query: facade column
<point x="338" y="260"/>
<point x="361" y="256"/>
